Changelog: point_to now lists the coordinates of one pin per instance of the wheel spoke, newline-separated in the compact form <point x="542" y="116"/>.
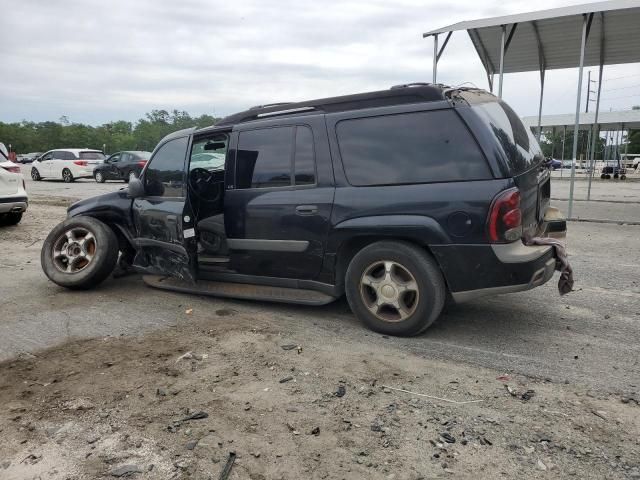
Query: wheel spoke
<point x="88" y="237"/>
<point x="369" y="280"/>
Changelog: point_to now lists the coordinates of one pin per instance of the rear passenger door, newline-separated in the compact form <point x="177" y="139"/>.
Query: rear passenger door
<point x="279" y="197"/>
<point x="58" y="163"/>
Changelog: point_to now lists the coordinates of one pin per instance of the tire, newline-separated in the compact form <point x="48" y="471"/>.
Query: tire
<point x="11" y="218"/>
<point x="603" y="176"/>
<point x="35" y="175"/>
<point x="623" y="177"/>
<point x="67" y="176"/>
<point x="411" y="268"/>
<point x="75" y="273"/>
<point x="99" y="177"/>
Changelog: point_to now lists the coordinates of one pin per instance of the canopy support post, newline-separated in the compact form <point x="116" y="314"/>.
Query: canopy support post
<point x="435" y="57"/>
<point x="542" y="64"/>
<point x="596" y="127"/>
<point x="586" y="22"/>
<point x="502" y="42"/>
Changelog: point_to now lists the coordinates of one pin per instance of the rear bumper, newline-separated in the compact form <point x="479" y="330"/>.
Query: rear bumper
<point x="474" y="271"/>
<point x="13" y="204"/>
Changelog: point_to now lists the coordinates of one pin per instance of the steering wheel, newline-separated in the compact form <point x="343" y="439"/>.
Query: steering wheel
<point x="201" y="180"/>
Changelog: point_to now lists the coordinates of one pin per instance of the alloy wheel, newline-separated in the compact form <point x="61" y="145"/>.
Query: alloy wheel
<point x="389" y="291"/>
<point x="74" y="250"/>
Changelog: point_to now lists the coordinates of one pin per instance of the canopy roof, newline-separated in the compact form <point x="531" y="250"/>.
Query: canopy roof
<point x="557" y="31"/>
<point x="630" y="119"/>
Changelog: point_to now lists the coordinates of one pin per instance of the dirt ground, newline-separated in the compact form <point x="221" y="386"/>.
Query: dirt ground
<point x="520" y="386"/>
<point x="289" y="409"/>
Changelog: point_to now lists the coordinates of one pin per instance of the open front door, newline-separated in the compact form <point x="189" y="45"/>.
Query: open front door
<point x="163" y="221"/>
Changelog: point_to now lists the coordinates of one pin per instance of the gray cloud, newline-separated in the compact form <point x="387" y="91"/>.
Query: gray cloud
<point x="97" y="61"/>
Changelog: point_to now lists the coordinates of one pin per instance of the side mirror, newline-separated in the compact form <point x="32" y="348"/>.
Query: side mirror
<point x="136" y="188"/>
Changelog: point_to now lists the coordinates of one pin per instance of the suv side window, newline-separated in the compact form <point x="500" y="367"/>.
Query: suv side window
<point x="47" y="156"/>
<point x="305" y="162"/>
<point x="419" y="147"/>
<point x="264" y="158"/>
<point x="164" y="175"/>
<point x="124" y="157"/>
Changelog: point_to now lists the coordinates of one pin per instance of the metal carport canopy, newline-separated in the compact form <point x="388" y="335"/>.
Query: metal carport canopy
<point x="559" y="32"/>
<point x="628" y="119"/>
<point x="601" y="33"/>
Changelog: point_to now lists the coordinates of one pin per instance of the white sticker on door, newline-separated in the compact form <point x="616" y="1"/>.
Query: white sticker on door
<point x="189" y="232"/>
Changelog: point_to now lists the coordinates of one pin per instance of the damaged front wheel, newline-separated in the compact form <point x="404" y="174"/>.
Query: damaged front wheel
<point x="79" y="253"/>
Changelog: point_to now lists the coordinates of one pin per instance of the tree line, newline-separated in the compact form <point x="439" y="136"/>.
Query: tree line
<point x="144" y="134"/>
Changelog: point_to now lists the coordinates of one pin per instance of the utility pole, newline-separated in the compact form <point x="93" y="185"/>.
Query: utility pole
<point x="589" y="91"/>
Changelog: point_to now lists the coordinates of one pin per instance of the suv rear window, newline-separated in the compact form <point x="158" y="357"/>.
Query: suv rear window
<point x="92" y="155"/>
<point x="420" y="147"/>
<point x="519" y="144"/>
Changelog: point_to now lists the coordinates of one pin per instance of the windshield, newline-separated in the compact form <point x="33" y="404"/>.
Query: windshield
<point x="92" y="155"/>
<point x="521" y="147"/>
<point x="209" y="153"/>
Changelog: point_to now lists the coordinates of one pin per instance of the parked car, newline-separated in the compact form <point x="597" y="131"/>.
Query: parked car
<point x="121" y="166"/>
<point x="399" y="199"/>
<point x="555" y="164"/>
<point x="28" y="157"/>
<point x="13" y="196"/>
<point x="67" y="164"/>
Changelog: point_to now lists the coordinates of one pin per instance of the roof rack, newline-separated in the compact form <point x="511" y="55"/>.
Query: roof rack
<point x="414" y="84"/>
<point x="268" y="105"/>
<point x="285" y="112"/>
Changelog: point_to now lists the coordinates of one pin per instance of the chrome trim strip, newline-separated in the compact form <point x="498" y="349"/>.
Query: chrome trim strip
<point x="296" y="246"/>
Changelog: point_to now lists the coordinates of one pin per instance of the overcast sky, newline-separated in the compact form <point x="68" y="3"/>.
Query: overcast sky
<point x="96" y="61"/>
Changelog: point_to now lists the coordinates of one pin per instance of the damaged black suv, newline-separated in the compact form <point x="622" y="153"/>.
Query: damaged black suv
<point x="400" y="199"/>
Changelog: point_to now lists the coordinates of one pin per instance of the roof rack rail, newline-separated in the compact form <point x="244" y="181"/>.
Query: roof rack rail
<point x="285" y="112"/>
<point x="268" y="105"/>
<point x="414" y="84"/>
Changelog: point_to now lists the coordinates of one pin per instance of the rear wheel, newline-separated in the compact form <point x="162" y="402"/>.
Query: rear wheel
<point x="395" y="288"/>
<point x="67" y="176"/>
<point x="35" y="175"/>
<point x="99" y="177"/>
<point x="79" y="253"/>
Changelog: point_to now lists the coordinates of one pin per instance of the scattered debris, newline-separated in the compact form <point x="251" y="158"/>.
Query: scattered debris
<point x="286" y="379"/>
<point x="289" y="346"/>
<point x="189" y="311"/>
<point x="315" y="431"/>
<point x="512" y="391"/>
<point x="528" y="395"/>
<point x="447" y="437"/>
<point x="192" y="356"/>
<point x="455" y="402"/>
<point x="125" y="470"/>
<point x="342" y="390"/>
<point x="191" y="444"/>
<point x="600" y="413"/>
<point x="504" y="378"/>
<point x="195" y="416"/>
<point x="226" y="471"/>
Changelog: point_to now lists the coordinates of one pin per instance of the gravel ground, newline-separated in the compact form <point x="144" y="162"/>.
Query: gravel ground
<point x="91" y="381"/>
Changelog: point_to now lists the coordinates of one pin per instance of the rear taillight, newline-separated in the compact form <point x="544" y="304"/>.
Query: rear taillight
<point x="12" y="169"/>
<point x="82" y="163"/>
<point x="142" y="163"/>
<point x="505" y="217"/>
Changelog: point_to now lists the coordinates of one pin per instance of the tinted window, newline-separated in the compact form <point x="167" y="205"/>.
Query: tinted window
<point x="521" y="148"/>
<point x="125" y="157"/>
<point x="164" y="175"/>
<point x="264" y="158"/>
<point x="63" y="155"/>
<point x="409" y="148"/>
<point x="92" y="155"/>
<point x="305" y="164"/>
<point x="47" y="156"/>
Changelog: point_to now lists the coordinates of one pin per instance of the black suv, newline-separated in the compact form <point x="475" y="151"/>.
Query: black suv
<point x="121" y="166"/>
<point x="400" y="199"/>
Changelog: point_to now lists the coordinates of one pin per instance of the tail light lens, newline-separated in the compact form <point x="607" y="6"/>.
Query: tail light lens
<point x="82" y="163"/>
<point x="142" y="163"/>
<point x="13" y="169"/>
<point x="505" y="217"/>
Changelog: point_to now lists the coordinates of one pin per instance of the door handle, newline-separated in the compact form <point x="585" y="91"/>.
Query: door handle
<point x="306" y="209"/>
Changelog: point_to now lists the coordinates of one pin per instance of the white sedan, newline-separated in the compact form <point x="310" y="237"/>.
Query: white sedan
<point x="67" y="164"/>
<point x="13" y="196"/>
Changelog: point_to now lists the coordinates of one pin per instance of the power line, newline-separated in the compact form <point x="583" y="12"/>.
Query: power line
<point x="617" y="98"/>
<point x="619" y="78"/>
<point x="621" y="88"/>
